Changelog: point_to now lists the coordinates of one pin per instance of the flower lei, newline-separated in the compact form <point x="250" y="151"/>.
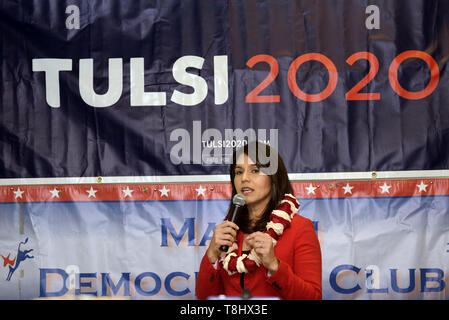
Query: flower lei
<point x="280" y="219"/>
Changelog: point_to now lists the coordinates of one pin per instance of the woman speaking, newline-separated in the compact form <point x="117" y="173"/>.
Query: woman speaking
<point x="271" y="250"/>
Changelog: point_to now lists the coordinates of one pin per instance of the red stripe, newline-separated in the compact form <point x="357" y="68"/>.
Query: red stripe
<point x="272" y="234"/>
<point x="276" y="219"/>
<point x="232" y="265"/>
<point x="220" y="190"/>
<point x="286" y="207"/>
<point x="293" y="200"/>
<point x="250" y="265"/>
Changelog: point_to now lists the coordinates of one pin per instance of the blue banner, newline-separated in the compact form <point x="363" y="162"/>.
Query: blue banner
<point x="107" y="88"/>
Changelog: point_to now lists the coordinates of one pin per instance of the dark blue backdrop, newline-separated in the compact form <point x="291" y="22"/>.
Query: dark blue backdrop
<point x="76" y="139"/>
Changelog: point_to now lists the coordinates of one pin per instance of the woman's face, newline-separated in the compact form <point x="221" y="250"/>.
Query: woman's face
<point x="251" y="182"/>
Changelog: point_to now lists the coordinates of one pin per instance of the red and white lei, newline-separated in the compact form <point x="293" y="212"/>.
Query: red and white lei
<point x="280" y="219"/>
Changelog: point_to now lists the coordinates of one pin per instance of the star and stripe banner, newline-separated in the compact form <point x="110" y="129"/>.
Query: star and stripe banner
<point x="216" y="190"/>
<point x="118" y="120"/>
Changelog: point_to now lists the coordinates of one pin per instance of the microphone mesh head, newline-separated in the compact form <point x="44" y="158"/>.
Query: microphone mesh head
<point x="239" y="200"/>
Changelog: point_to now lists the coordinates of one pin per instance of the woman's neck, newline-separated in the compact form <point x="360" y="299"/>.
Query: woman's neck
<point x="256" y="211"/>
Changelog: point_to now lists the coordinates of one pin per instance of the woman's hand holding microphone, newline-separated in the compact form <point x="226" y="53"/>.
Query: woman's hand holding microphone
<point x="224" y="235"/>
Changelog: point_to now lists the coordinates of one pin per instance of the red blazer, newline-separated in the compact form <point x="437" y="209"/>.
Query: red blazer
<point x="298" y="276"/>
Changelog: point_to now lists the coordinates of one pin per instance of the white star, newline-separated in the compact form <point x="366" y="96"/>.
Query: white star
<point x="164" y="191"/>
<point x="127" y="192"/>
<point x="311" y="189"/>
<point x="200" y="191"/>
<point x="18" y="193"/>
<point x="422" y="187"/>
<point x="348" y="189"/>
<point x="385" y="188"/>
<point x="91" y="192"/>
<point x="54" y="193"/>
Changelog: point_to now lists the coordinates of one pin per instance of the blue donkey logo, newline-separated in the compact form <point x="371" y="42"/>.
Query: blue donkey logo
<point x="21" y="256"/>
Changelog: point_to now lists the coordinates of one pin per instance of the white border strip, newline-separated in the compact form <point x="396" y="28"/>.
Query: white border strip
<point x="225" y="178"/>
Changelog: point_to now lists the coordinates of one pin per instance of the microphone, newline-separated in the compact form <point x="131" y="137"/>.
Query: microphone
<point x="238" y="201"/>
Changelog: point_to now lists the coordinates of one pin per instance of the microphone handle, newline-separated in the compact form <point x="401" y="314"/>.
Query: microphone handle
<point x="225" y="248"/>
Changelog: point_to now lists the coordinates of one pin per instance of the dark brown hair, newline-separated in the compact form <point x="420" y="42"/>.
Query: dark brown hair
<point x="280" y="185"/>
